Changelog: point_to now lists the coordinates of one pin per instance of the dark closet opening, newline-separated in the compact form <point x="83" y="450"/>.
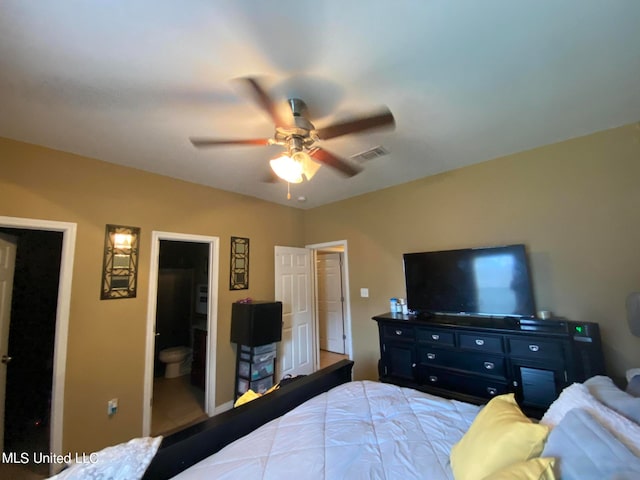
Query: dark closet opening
<point x="31" y="340"/>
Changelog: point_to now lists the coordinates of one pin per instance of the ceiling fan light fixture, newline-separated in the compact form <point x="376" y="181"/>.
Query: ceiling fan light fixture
<point x="287" y="169"/>
<point x="298" y="135"/>
<point x="309" y="166"/>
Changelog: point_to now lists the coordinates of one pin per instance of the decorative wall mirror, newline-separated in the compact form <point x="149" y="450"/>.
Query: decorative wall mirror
<point x="120" y="263"/>
<point x="239" y="263"/>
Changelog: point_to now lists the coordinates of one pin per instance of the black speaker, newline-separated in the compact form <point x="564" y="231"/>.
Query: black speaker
<point x="256" y="323"/>
<point x="586" y="348"/>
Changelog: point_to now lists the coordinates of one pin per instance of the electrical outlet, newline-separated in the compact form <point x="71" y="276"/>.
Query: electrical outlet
<point x="112" y="406"/>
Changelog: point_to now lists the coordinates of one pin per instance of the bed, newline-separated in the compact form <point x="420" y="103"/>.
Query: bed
<point x="326" y="426"/>
<point x="356" y="430"/>
<point x="186" y="447"/>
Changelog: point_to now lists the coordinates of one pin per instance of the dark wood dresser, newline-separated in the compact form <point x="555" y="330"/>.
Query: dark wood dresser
<point x="475" y="358"/>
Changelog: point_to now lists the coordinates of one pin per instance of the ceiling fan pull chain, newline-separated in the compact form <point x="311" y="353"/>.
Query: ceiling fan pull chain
<point x="288" y="191"/>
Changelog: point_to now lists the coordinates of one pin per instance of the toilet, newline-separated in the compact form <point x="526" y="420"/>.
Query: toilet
<point x="177" y="360"/>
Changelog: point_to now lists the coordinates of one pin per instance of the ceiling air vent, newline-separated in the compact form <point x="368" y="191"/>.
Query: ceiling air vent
<point x="370" y="154"/>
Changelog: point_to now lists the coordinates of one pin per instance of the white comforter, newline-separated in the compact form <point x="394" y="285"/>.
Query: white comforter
<point x="364" y="430"/>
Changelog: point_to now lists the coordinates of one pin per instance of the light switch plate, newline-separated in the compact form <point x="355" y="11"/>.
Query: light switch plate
<point x="364" y="292"/>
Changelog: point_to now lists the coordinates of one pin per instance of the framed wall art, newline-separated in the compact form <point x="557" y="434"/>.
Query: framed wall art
<point x="239" y="264"/>
<point x="120" y="262"/>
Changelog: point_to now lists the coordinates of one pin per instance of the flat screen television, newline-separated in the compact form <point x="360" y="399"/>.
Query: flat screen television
<point x="492" y="281"/>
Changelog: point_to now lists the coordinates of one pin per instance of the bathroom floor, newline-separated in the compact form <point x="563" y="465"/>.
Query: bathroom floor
<point x="176" y="404"/>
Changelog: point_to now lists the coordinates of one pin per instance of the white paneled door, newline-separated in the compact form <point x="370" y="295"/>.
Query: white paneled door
<point x="293" y="289"/>
<point x="8" y="246"/>
<point x="330" y="301"/>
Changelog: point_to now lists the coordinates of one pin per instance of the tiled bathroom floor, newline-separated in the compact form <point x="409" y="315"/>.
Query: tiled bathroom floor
<point x="176" y="404"/>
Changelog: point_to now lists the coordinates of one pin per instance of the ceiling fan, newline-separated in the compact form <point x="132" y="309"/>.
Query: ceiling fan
<point x="299" y="136"/>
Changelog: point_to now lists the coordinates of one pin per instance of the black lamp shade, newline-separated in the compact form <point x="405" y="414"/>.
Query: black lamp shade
<point x="256" y="323"/>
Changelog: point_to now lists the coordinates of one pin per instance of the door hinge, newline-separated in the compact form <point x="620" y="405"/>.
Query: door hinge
<point x="344" y="337"/>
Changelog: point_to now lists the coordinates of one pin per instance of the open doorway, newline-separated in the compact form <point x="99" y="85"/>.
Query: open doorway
<point x="181" y="326"/>
<point x="28" y="356"/>
<point x="181" y="332"/>
<point x="330" y="306"/>
<point x="37" y="337"/>
<point x="333" y="325"/>
<point x="296" y="286"/>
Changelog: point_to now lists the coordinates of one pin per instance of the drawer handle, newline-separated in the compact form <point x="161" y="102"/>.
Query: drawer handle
<point x="534" y="347"/>
<point x="479" y="341"/>
<point x="489" y="365"/>
<point x="431" y="356"/>
<point x="433" y="378"/>
<point x="398" y="332"/>
<point x="435" y="336"/>
<point x="492" y="391"/>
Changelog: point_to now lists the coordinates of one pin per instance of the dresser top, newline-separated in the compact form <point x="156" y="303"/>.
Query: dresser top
<point x="511" y="324"/>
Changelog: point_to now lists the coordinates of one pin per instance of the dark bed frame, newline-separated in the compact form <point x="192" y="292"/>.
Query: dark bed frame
<point x="182" y="449"/>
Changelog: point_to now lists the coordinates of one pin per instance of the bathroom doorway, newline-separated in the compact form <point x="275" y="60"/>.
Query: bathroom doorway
<point x="180" y="358"/>
<point x="181" y="320"/>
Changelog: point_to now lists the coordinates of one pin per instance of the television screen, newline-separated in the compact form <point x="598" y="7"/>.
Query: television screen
<point x="491" y="281"/>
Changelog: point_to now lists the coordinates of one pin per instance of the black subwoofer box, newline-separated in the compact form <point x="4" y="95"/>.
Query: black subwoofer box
<point x="256" y="323"/>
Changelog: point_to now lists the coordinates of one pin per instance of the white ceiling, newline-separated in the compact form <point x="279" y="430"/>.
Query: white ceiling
<point x="129" y="82"/>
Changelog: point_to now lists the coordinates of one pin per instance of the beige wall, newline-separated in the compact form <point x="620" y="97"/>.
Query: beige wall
<point x="106" y="338"/>
<point x="575" y="205"/>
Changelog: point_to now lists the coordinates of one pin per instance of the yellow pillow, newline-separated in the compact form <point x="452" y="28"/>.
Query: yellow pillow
<point x="534" y="469"/>
<point x="246" y="397"/>
<point x="250" y="395"/>
<point x="499" y="436"/>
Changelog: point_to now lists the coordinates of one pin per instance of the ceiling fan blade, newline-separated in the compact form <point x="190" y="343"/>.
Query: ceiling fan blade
<point x="333" y="161"/>
<point x="383" y="118"/>
<point x="210" y="142"/>
<point x="266" y="102"/>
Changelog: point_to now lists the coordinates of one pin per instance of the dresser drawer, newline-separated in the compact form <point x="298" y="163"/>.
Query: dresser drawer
<point x="479" y="341"/>
<point x="534" y="348"/>
<point x="481" y="363"/>
<point x="433" y="356"/>
<point x="476" y="386"/>
<point x="399" y="332"/>
<point x="434" y="336"/>
<point x="261" y="353"/>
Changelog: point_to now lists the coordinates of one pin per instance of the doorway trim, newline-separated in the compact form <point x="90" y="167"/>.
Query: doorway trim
<point x="63" y="307"/>
<point x="343" y="247"/>
<point x="212" y="320"/>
